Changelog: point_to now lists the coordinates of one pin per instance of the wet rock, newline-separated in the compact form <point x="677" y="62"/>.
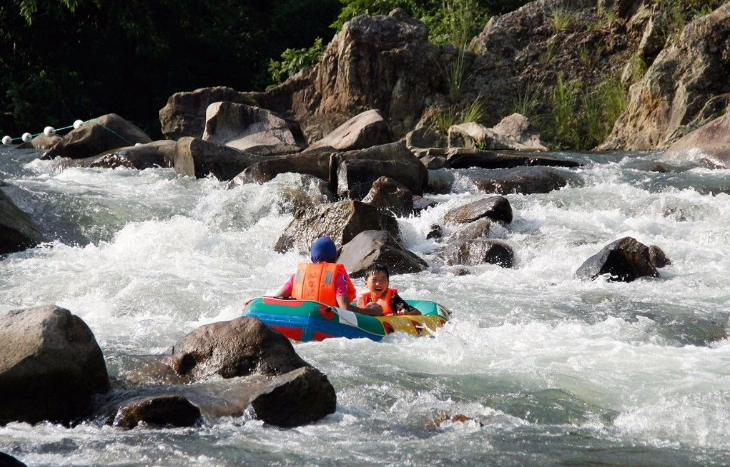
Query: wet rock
<point x="162" y="411"/>
<point x="17" y="230"/>
<point x="6" y="460"/>
<point x="50" y="366"/>
<point x="480" y="251"/>
<point x="657" y="257"/>
<point x="388" y="195"/>
<point x="624" y="260"/>
<point x="440" y="181"/>
<point x="357" y="170"/>
<point x="377" y="246"/>
<point x="340" y="221"/>
<point x="233" y="348"/>
<point x="197" y="158"/>
<point x="421" y="204"/>
<point x="474" y="230"/>
<point x="251" y="128"/>
<point x="465" y="158"/>
<point x="708" y="146"/>
<point x="184" y="113"/>
<point x="435" y="232"/>
<point x="522" y="180"/>
<point x="648" y="166"/>
<point x="40" y="142"/>
<point x="495" y="207"/>
<point x="315" y="164"/>
<point x="434" y="162"/>
<point x="364" y="130"/>
<point x="98" y="136"/>
<point x="145" y="156"/>
<point x="303" y="396"/>
<point x="444" y="418"/>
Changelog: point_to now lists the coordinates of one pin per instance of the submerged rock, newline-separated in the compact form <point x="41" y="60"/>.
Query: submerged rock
<point x="707" y="146"/>
<point x="378" y="246"/>
<point x="163" y="411"/>
<point x="496" y="208"/>
<point x="50" y="366"/>
<point x="522" y="180"/>
<point x="17" y="230"/>
<point x="479" y="251"/>
<point x="144" y="156"/>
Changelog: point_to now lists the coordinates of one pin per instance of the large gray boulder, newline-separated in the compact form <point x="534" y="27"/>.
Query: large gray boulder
<point x="340" y="221"/>
<point x="97" y="136"/>
<point x="169" y="410"/>
<point x="361" y="131"/>
<point x="388" y="195"/>
<point x="197" y="158"/>
<point x="378" y="246"/>
<point x="514" y="132"/>
<point x="708" y="146"/>
<point x="479" y="251"/>
<point x="251" y="129"/>
<point x="50" y="366"/>
<point x="623" y="260"/>
<point x="17" y="230"/>
<point x="316" y="164"/>
<point x="184" y="113"/>
<point x="685" y="86"/>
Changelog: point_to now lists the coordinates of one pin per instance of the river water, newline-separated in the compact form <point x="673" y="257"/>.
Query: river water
<point x="536" y="368"/>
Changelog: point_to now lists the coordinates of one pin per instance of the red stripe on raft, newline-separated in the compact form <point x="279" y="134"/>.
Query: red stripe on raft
<point x="294" y="334"/>
<point x="281" y="302"/>
<point x="320" y="336"/>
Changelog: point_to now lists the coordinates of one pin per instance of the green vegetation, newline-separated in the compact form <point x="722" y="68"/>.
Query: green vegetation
<point x="570" y="116"/>
<point x="562" y="18"/>
<point x="294" y="60"/>
<point x="680" y="12"/>
<point x="445" y="117"/>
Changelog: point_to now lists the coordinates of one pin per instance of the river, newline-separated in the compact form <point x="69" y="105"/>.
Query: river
<point x="536" y="367"/>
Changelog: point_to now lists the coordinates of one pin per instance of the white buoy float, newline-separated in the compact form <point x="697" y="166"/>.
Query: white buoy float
<point x="27" y="137"/>
<point x="77" y="124"/>
<point x="49" y="131"/>
<point x="138" y="144"/>
<point x="7" y="140"/>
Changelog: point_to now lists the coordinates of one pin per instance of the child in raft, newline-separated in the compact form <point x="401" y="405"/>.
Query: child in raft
<point x="377" y="280"/>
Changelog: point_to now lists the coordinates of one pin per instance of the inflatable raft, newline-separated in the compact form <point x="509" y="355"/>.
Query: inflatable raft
<point x="305" y="320"/>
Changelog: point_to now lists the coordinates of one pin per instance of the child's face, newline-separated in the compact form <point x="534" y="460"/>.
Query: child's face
<point x="377" y="283"/>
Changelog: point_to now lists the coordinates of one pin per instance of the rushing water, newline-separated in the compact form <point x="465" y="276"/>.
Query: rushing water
<point x="536" y="368"/>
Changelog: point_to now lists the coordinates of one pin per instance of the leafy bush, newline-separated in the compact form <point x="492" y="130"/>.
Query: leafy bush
<point x="294" y="60"/>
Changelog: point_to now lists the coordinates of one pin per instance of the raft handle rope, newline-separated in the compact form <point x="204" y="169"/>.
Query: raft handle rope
<point x="50" y="131"/>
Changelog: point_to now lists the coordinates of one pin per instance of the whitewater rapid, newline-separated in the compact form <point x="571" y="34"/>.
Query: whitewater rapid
<point x="545" y="369"/>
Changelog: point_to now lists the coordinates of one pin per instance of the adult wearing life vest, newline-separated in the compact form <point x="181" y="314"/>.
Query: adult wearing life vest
<point x="324" y="280"/>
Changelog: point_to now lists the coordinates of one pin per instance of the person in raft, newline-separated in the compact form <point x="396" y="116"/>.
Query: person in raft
<point x="325" y="280"/>
<point x="377" y="280"/>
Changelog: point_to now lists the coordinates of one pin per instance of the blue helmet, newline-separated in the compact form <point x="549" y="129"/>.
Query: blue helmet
<point x="324" y="250"/>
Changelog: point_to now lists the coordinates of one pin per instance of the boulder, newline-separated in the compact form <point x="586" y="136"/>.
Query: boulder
<point x="624" y="260"/>
<point x="435" y="232"/>
<point x="316" y="164"/>
<point x="340" y="221"/>
<point x="97" y="136"/>
<point x="198" y="158"/>
<point x="514" y="132"/>
<point x="163" y="411"/>
<point x="378" y="246"/>
<point x="440" y="181"/>
<point x="421" y="204"/>
<point x="425" y="137"/>
<point x="41" y="142"/>
<point x="50" y="366"/>
<point x="708" y="146"/>
<point x="7" y="460"/>
<point x="479" y="251"/>
<point x="251" y="128"/>
<point x="17" y="230"/>
<point x="364" y="130"/>
<point x="387" y="194"/>
<point x="522" y="180"/>
<point x="357" y="170"/>
<point x="465" y="158"/>
<point x="239" y="347"/>
<point x="184" y="113"/>
<point x="495" y="207"/>
<point x="301" y="396"/>
<point x="478" y="229"/>
<point x="683" y="88"/>
<point x="144" y="156"/>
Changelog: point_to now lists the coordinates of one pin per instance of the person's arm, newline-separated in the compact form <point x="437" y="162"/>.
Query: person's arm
<point x="372" y="309"/>
<point x="286" y="289"/>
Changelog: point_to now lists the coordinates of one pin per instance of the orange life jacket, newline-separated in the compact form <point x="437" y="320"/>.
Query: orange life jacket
<point x="316" y="281"/>
<point x="383" y="300"/>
